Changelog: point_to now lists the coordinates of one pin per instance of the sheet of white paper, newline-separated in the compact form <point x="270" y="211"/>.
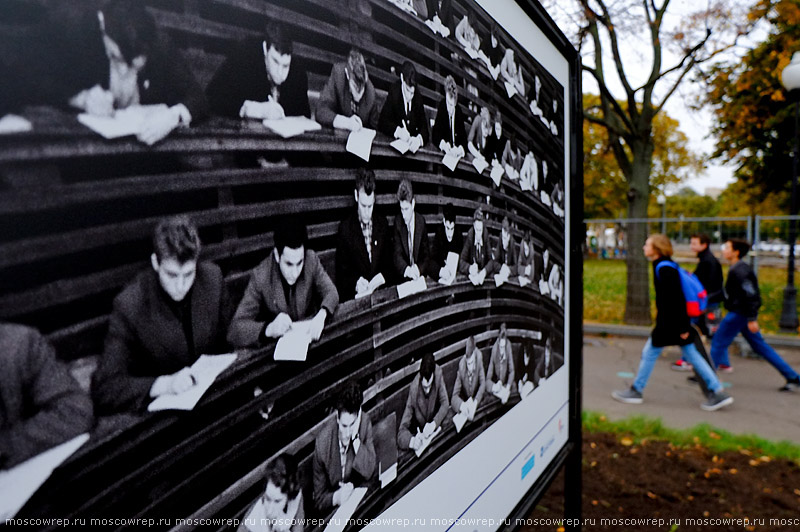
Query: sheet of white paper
<point x="480" y="164"/>
<point x="411" y="287"/>
<point x="293" y="346"/>
<point x="360" y="142"/>
<point x="499" y="279"/>
<point x="389" y="475"/>
<point x="123" y="123"/>
<point x="554" y="128"/>
<point x="526" y="389"/>
<point x="204" y="370"/>
<point x="450" y="265"/>
<point x="524" y="281"/>
<point x="374" y="284"/>
<point x="545" y="198"/>
<point x="504" y="393"/>
<point x="544" y="288"/>
<point x="427" y="441"/>
<point x="472" y="52"/>
<point x="291" y="126"/>
<point x="399" y="145"/>
<point x="19" y="483"/>
<point x="459" y="420"/>
<point x="342" y="516"/>
<point x="451" y="161"/>
<point x="14" y="124"/>
<point x="511" y="90"/>
<point x="497" y="175"/>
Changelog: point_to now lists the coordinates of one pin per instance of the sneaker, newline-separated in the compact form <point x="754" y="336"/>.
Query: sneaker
<point x="724" y="368"/>
<point x="630" y="396"/>
<point x="681" y="365"/>
<point x="693" y="378"/>
<point x="716" y="401"/>
<point x="791" y="386"/>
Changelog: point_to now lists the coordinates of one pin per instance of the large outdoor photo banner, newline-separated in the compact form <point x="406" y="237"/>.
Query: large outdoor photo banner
<point x="298" y="264"/>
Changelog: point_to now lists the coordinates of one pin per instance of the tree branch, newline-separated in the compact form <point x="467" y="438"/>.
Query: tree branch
<point x="604" y="123"/>
<point x="605" y="95"/>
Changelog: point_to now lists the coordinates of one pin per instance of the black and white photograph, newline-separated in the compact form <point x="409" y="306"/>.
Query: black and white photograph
<point x="292" y="265"/>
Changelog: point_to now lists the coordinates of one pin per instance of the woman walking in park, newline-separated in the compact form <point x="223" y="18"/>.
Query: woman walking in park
<point x="673" y="327"/>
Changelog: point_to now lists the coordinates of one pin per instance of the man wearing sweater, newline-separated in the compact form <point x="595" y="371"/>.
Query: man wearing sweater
<point x="742" y="300"/>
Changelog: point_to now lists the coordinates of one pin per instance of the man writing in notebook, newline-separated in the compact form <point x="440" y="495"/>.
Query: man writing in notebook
<point x="162" y="322"/>
<point x="403" y="115"/>
<point x="362" y="242"/>
<point x="283" y="290"/>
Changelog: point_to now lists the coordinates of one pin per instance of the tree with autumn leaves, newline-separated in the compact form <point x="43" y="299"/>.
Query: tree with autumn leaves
<point x="755" y="124"/>
<point x="638" y="53"/>
<point x="605" y="186"/>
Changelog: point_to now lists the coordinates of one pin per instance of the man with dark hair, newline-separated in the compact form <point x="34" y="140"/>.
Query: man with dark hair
<point x="709" y="273"/>
<point x="411" y="248"/>
<point x="446" y="240"/>
<point x="41" y="405"/>
<point x="448" y="129"/>
<point x="476" y="255"/>
<point x="162" y="322"/>
<point x="501" y="367"/>
<point x="470" y="381"/>
<point x="283" y="289"/>
<point x="426" y="407"/>
<point x="348" y="99"/>
<point x="260" y="79"/>
<point x="547" y="363"/>
<point x="362" y="242"/>
<point x="403" y="115"/>
<point x="496" y="142"/>
<point x="742" y="300"/>
<point x="344" y="452"/>
<point x="506" y="250"/>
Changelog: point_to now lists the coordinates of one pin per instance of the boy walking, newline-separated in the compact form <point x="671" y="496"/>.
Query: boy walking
<point x="742" y="300"/>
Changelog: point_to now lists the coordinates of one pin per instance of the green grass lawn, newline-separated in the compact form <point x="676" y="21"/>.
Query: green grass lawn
<point x="638" y="428"/>
<point x="604" y="292"/>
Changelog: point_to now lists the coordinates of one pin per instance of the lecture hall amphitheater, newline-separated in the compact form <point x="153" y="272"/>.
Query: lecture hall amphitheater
<point x="77" y="213"/>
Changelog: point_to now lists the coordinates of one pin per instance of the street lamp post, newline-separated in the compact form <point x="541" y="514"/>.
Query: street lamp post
<point x="791" y="81"/>
<point x="662" y="200"/>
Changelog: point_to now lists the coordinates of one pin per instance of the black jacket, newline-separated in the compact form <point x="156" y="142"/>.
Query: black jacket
<point x="741" y="291"/>
<point x="671" y="317"/>
<point x="709" y="273"/>
<point x="243" y="76"/>
<point x="393" y="114"/>
<point x="441" y="127"/>
<point x="352" y="259"/>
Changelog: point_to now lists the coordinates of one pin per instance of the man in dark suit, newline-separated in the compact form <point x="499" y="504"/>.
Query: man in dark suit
<point x="506" y="250"/>
<point x="162" y="322"/>
<point x="286" y="287"/>
<point x="547" y="362"/>
<point x="41" y="405"/>
<point x="348" y="99"/>
<point x="448" y="129"/>
<point x="427" y="405"/>
<point x="476" y="255"/>
<point x="525" y="367"/>
<point x="363" y="247"/>
<point x="470" y="380"/>
<point x="411" y="248"/>
<point x="260" y="79"/>
<point x="501" y="365"/>
<point x="344" y="452"/>
<point x="445" y="240"/>
<point x="403" y="114"/>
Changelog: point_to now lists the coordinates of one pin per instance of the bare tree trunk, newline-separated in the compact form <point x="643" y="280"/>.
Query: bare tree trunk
<point x="637" y="300"/>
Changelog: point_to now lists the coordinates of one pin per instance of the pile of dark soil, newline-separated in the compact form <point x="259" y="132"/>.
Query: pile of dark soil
<point x="695" y="488"/>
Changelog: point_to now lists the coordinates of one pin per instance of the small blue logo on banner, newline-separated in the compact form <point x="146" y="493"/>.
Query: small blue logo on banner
<point x="528" y="466"/>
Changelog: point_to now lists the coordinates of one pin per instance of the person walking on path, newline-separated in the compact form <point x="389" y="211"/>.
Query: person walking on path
<point x="742" y="300"/>
<point x="709" y="273"/>
<point x="672" y="328"/>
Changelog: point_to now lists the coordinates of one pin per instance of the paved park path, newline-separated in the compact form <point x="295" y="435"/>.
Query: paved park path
<point x="759" y="408"/>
